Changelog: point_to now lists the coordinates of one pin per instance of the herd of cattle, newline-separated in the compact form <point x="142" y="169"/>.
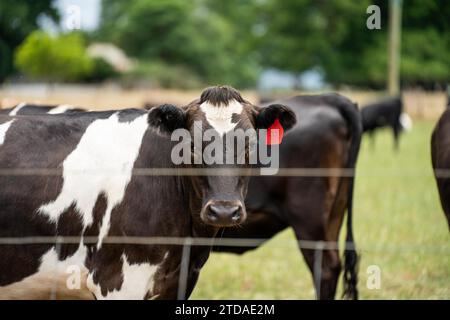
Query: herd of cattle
<point x="94" y="193"/>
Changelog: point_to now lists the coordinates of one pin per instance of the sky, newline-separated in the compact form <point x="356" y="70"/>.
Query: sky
<point x="84" y="14"/>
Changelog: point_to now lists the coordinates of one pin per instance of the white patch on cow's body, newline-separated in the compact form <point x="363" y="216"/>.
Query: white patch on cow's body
<point x="220" y="116"/>
<point x="102" y="162"/>
<point x="51" y="264"/>
<point x="406" y="121"/>
<point x="14" y="111"/>
<point x="60" y="109"/>
<point x="3" y="129"/>
<point x="137" y="281"/>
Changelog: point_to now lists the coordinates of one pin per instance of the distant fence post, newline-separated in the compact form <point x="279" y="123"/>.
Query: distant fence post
<point x="395" y="22"/>
<point x="317" y="268"/>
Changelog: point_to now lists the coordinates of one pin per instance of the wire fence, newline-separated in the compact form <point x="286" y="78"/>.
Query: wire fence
<point x="188" y="242"/>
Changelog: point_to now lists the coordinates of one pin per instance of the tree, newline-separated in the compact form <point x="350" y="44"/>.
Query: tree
<point x="425" y="48"/>
<point x="18" y="18"/>
<point x="302" y="34"/>
<point x="54" y="58"/>
<point x="177" y="32"/>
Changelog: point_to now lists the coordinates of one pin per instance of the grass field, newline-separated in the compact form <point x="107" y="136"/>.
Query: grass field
<point x="398" y="224"/>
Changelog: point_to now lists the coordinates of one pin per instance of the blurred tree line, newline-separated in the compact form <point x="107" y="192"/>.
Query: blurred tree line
<point x="60" y="58"/>
<point x="196" y="37"/>
<point x="191" y="43"/>
<point x="18" y="18"/>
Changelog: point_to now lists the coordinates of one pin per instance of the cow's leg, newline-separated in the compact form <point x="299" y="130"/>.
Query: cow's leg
<point x="317" y="216"/>
<point x="325" y="265"/>
<point x="396" y="132"/>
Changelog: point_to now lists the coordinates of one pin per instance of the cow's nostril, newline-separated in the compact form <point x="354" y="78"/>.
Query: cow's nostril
<point x="212" y="214"/>
<point x="224" y="214"/>
<point x="236" y="214"/>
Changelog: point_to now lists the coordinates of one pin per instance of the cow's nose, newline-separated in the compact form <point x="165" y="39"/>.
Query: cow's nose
<point x="224" y="215"/>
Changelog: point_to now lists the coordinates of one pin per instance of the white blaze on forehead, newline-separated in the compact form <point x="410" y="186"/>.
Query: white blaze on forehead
<point x="137" y="280"/>
<point x="3" y="129"/>
<point x="14" y="111"/>
<point x="220" y="116"/>
<point x="60" y="109"/>
<point x="102" y="162"/>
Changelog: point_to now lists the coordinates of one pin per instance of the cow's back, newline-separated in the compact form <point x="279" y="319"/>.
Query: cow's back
<point x="28" y="109"/>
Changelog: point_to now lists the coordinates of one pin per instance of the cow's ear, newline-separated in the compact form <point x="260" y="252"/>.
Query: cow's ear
<point x="166" y="118"/>
<point x="268" y="115"/>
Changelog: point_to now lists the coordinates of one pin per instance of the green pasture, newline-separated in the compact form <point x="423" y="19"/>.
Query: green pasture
<point x="398" y="224"/>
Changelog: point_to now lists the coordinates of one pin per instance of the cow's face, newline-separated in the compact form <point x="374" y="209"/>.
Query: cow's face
<point x="215" y="122"/>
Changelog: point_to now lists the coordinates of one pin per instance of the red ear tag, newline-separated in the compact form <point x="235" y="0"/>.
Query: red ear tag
<point x="275" y="133"/>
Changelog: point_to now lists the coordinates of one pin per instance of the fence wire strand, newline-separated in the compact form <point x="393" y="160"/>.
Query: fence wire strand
<point x="282" y="172"/>
<point x="227" y="242"/>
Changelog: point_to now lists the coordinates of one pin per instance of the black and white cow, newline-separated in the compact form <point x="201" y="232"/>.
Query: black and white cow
<point x="327" y="136"/>
<point x="386" y="113"/>
<point x="35" y="109"/>
<point x="96" y="193"/>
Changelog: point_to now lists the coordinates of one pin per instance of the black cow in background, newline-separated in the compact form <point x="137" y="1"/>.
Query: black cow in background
<point x="386" y="113"/>
<point x="327" y="136"/>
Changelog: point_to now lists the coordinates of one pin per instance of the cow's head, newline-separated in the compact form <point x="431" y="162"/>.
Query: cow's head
<point x="218" y="114"/>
